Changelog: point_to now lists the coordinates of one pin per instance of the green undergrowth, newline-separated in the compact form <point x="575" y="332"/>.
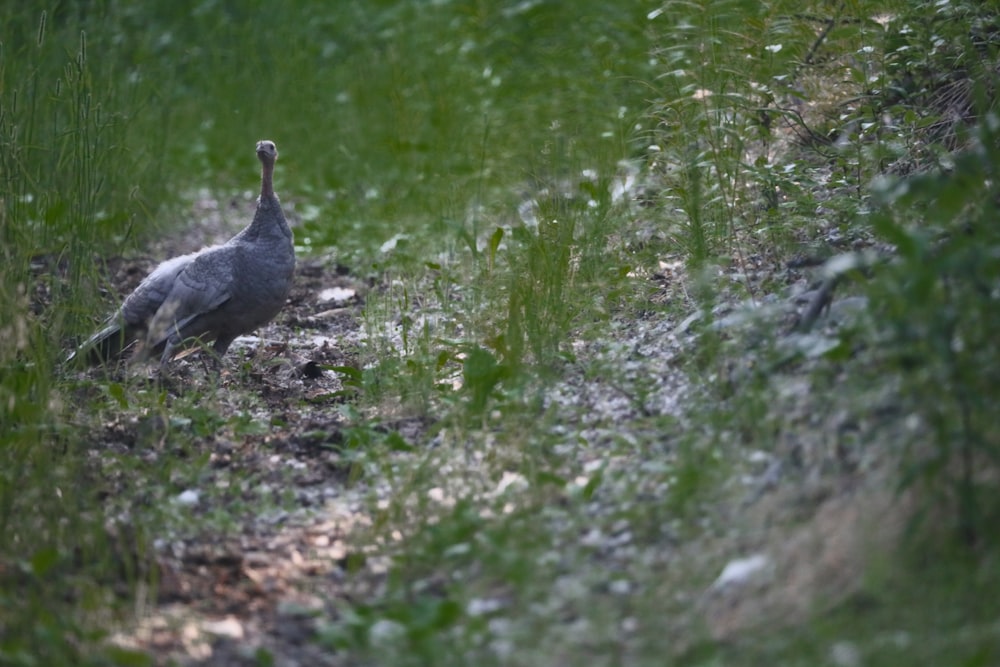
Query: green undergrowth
<point x="72" y="189"/>
<point x="901" y="381"/>
<point x="751" y="177"/>
<point x="560" y="211"/>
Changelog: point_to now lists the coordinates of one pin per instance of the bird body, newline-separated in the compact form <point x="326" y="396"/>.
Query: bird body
<point x="213" y="295"/>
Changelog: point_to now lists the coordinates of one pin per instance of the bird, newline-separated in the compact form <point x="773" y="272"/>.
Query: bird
<point x="213" y="295"/>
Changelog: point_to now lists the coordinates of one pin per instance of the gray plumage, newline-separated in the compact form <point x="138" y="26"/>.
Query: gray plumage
<point x="215" y="294"/>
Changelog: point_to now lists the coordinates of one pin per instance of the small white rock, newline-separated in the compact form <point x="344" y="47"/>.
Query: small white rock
<point x="227" y="627"/>
<point x="511" y="479"/>
<point x="385" y="631"/>
<point x="845" y="654"/>
<point x="483" y="606"/>
<point x="593" y="538"/>
<point x="189" y="497"/>
<point x="620" y="587"/>
<point x="390" y="245"/>
<point x="739" y="571"/>
<point x="336" y="294"/>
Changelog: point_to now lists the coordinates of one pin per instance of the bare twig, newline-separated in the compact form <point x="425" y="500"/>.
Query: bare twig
<point x="820" y="301"/>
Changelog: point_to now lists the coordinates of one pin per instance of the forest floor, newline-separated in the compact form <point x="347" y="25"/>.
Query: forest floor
<point x="793" y="531"/>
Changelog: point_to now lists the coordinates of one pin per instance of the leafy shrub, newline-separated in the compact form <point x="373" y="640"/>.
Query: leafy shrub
<point x="938" y="307"/>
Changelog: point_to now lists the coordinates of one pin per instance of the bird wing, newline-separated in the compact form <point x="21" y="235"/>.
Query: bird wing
<point x="202" y="286"/>
<point x="142" y="304"/>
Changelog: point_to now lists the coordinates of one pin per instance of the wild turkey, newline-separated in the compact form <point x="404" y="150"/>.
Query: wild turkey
<point x="215" y="294"/>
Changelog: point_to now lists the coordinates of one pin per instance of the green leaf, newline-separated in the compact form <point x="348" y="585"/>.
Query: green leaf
<point x="906" y="242"/>
<point x="43" y="560"/>
<point x="495" y="239"/>
<point x="350" y="376"/>
<point x="117" y="392"/>
<point x="469" y="241"/>
<point x="481" y="373"/>
<point x="125" y="657"/>
<point x="398" y="443"/>
<point x="545" y="477"/>
<point x="590" y="487"/>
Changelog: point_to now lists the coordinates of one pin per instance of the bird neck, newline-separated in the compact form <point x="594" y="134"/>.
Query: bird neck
<point x="268" y="220"/>
<point x="267" y="181"/>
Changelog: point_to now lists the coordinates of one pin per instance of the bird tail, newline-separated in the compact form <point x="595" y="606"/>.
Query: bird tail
<point x="107" y="344"/>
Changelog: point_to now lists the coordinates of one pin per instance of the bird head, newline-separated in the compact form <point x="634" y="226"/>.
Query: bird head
<point x="267" y="151"/>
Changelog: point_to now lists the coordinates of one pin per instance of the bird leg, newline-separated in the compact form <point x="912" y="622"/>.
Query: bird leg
<point x="169" y="346"/>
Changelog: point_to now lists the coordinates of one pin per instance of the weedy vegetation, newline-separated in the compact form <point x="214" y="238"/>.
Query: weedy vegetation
<point x="648" y="288"/>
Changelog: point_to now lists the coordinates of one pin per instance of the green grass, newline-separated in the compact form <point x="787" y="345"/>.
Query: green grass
<point x="428" y="125"/>
<point x="71" y="186"/>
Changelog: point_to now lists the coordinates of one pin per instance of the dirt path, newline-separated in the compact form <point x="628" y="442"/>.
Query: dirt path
<point x="226" y="596"/>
